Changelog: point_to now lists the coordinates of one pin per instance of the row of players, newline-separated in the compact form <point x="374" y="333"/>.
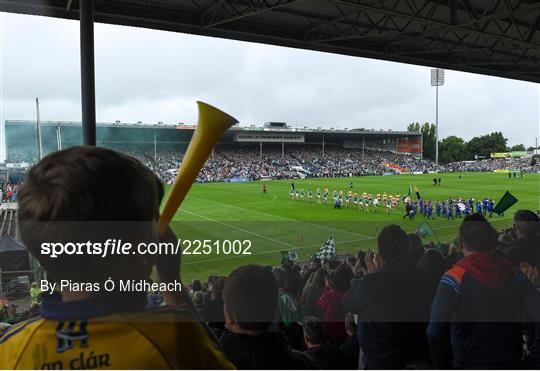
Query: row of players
<point x="361" y="201"/>
<point x="450" y="208"/>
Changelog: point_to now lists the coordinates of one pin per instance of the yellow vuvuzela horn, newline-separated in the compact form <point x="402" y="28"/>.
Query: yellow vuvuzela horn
<point x="211" y="126"/>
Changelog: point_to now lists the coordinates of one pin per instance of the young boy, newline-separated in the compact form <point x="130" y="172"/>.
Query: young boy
<point x="251" y="306"/>
<point x="90" y="194"/>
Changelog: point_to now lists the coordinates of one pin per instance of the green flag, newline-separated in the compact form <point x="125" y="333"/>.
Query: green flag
<point x="284" y="256"/>
<point x="289" y="256"/>
<point x="424" y="230"/>
<point x="505" y="203"/>
<point x="408" y="193"/>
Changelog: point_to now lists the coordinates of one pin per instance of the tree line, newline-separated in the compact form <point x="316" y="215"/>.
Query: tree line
<point x="454" y="148"/>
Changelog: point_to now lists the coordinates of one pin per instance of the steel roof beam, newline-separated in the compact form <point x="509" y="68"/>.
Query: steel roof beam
<point x="417" y="21"/>
<point x="224" y="11"/>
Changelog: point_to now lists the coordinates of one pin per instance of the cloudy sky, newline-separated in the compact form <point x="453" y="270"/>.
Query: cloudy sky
<point x="150" y="76"/>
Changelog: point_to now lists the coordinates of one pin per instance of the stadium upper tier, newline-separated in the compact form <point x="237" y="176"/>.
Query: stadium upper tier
<point x="20" y="137"/>
<point x="250" y="153"/>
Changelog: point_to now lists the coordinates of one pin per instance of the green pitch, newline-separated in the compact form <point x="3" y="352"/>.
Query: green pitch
<point x="272" y="222"/>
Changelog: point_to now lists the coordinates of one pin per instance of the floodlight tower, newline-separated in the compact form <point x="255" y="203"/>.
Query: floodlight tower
<point x="437" y="79"/>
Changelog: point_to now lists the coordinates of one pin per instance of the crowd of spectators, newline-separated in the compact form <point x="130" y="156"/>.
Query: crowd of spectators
<point x="234" y="163"/>
<point x="408" y="305"/>
<point x="8" y="192"/>
<point x="472" y="304"/>
<point x="247" y="163"/>
<point x="524" y="165"/>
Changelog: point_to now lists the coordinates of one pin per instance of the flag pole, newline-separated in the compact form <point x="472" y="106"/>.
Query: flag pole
<point x="434" y="233"/>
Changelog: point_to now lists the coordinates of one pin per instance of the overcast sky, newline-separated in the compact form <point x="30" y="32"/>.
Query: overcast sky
<point x="149" y="76"/>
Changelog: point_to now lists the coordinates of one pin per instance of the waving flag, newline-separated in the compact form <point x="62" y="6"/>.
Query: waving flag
<point x="424" y="230"/>
<point x="417" y="192"/>
<point x="289" y="256"/>
<point x="408" y="193"/>
<point x="327" y="251"/>
<point x="505" y="203"/>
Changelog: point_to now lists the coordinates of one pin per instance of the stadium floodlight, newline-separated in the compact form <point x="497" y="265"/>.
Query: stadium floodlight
<point x="437" y="79"/>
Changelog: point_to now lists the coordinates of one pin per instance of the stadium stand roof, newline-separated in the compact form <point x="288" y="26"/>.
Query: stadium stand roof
<point x="492" y="37"/>
<point x="341" y="132"/>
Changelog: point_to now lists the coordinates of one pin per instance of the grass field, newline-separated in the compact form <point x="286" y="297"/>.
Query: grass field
<point x="272" y="222"/>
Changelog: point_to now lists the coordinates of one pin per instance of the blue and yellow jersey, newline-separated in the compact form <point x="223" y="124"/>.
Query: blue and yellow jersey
<point x="78" y="335"/>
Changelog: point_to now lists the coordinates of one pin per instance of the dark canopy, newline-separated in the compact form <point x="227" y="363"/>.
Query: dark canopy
<point x="13" y="255"/>
<point x="492" y="37"/>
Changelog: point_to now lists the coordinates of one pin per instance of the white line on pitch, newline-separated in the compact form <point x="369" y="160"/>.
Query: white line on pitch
<point x="260" y="202"/>
<point x="240" y="229"/>
<point x="281" y="217"/>
<point x="241" y="256"/>
<point x="284" y="243"/>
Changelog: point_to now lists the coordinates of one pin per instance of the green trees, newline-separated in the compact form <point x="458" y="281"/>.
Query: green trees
<point x="485" y="144"/>
<point x="428" y="137"/>
<point x="454" y="148"/>
<point x="518" y="147"/>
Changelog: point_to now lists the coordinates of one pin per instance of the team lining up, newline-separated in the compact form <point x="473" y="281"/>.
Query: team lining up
<point x="449" y="208"/>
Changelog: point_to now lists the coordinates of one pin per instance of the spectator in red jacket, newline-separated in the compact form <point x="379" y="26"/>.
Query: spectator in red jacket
<point x="337" y="283"/>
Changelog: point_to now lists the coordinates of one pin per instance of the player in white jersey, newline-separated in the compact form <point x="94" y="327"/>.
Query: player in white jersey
<point x="388" y="205"/>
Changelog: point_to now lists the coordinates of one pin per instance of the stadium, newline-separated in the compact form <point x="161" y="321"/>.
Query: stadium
<point x="275" y="154"/>
<point x="286" y="246"/>
<point x="20" y="142"/>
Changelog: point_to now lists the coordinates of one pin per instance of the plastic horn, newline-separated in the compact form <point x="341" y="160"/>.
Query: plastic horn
<point x="211" y="126"/>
